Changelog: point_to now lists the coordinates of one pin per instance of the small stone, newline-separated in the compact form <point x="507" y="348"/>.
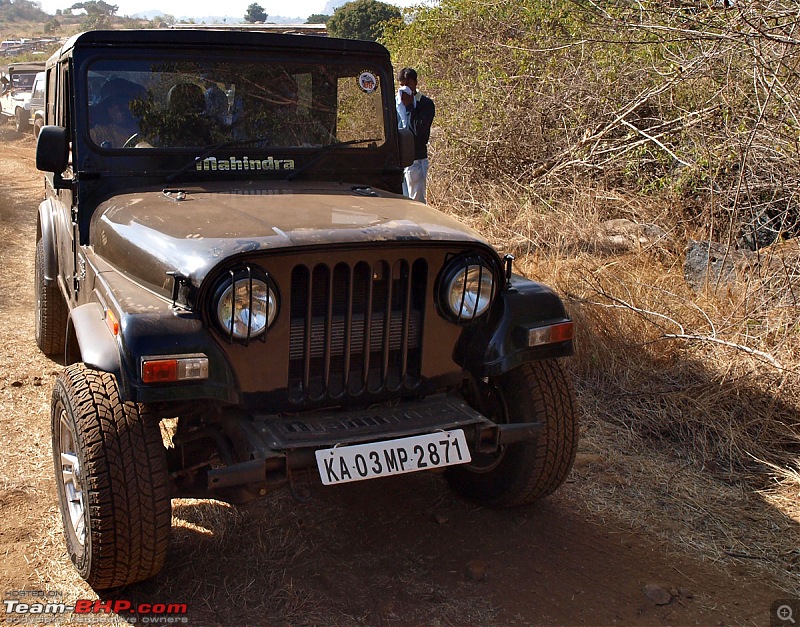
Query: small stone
<point x="686" y="594"/>
<point x="674" y="592"/>
<point x="622" y="235"/>
<point x="441" y="519"/>
<point x="476" y="570"/>
<point x="657" y="594"/>
<point x="16" y="384"/>
<point x="37" y="381"/>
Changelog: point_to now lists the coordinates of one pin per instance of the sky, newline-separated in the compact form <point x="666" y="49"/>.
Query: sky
<point x="201" y="8"/>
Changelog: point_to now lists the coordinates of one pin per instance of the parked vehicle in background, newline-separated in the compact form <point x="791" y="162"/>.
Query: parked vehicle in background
<point x="35" y="105"/>
<point x="15" y="93"/>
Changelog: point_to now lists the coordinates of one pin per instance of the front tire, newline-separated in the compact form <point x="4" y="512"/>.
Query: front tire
<point x="521" y="473"/>
<point x="20" y="121"/>
<point x="51" y="309"/>
<point x="111" y="478"/>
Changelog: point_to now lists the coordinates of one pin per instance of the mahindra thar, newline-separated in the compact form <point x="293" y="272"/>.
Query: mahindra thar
<point x="239" y="292"/>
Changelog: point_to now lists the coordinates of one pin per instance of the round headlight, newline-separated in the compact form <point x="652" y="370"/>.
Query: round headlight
<point x="468" y="291"/>
<point x="246" y="307"/>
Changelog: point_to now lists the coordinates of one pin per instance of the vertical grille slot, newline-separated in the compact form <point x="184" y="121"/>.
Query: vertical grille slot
<point x="356" y="329"/>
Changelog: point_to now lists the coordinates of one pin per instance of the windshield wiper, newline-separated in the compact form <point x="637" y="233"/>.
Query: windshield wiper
<point x="213" y="148"/>
<point x="324" y="151"/>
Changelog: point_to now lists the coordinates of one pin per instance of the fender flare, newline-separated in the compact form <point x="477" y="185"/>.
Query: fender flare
<point x="500" y="343"/>
<point x="89" y="340"/>
<point x="47" y="233"/>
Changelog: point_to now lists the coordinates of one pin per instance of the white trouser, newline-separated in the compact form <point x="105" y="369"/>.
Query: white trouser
<point x="414" y="179"/>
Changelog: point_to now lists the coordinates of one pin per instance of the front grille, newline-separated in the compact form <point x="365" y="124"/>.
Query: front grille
<point x="356" y="329"/>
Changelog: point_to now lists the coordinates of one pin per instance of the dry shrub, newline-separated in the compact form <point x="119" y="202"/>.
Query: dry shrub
<point x="688" y="103"/>
<point x="713" y="375"/>
<point x="684" y="370"/>
<point x="690" y="400"/>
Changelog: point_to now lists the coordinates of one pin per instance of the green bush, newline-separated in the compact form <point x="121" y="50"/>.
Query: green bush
<point x="361" y="19"/>
<point x="685" y="99"/>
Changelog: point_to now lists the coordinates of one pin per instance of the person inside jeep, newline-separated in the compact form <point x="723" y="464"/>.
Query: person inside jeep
<point x="113" y="122"/>
<point x="217" y="106"/>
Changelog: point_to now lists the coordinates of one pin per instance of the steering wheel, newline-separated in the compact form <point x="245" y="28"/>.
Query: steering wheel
<point x="132" y="141"/>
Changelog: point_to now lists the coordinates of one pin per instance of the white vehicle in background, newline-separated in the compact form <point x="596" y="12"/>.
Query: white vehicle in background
<point x="16" y="92"/>
<point x="35" y="105"/>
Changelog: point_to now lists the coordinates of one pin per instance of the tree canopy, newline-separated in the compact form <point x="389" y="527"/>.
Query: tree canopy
<point x="318" y="18"/>
<point x="255" y="13"/>
<point x="362" y="19"/>
<point x="97" y="7"/>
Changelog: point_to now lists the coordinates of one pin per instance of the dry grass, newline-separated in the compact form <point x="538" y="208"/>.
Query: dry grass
<point x="692" y="399"/>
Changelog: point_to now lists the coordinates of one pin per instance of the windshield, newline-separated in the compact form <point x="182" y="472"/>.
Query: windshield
<point x="140" y="104"/>
<point x="22" y="81"/>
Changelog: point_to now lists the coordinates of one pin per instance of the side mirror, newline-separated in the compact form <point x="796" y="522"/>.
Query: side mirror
<point x="52" y="150"/>
<point x="406" y="147"/>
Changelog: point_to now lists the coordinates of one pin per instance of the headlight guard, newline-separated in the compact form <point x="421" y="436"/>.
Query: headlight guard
<point x="245" y="304"/>
<point x="466" y="288"/>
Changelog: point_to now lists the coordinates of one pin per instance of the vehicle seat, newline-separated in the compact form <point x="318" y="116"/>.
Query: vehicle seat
<point x="186" y="99"/>
<point x="185" y="123"/>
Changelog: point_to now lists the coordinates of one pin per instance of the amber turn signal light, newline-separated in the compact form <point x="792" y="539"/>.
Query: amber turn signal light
<point x="551" y="334"/>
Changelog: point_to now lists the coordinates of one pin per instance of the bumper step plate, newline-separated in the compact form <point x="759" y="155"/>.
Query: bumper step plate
<point x="321" y="430"/>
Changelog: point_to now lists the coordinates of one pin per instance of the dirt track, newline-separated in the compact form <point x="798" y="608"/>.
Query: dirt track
<point x="396" y="551"/>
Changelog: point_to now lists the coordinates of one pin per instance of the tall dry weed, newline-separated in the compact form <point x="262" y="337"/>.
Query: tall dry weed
<point x="713" y="374"/>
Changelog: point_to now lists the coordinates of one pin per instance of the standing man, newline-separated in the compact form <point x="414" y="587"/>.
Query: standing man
<point x="419" y="113"/>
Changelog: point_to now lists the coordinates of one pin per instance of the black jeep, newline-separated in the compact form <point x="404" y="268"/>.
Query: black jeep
<point x="226" y="263"/>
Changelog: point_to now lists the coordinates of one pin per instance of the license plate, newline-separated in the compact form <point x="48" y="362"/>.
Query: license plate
<point x="392" y="457"/>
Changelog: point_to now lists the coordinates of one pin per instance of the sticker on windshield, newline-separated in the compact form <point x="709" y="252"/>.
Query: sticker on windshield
<point x="367" y="82"/>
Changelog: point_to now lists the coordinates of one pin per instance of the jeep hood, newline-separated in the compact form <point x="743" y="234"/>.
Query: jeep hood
<point x="147" y="234"/>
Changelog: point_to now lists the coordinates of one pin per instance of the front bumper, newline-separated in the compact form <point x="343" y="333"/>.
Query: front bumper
<point x="277" y="446"/>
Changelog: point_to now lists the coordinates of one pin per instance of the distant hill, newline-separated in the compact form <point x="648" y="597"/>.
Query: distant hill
<point x="21" y="11"/>
<point x="216" y="19"/>
<point x="332" y="5"/>
<point x="204" y="19"/>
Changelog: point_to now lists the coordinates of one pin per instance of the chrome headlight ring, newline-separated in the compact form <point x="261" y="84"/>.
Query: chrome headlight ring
<point x="245" y="304"/>
<point x="466" y="288"/>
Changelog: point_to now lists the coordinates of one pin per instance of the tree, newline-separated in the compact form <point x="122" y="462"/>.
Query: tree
<point x="255" y="13"/>
<point x="97" y="8"/>
<point x="51" y="26"/>
<point x="162" y="21"/>
<point x="362" y="19"/>
<point x="318" y="18"/>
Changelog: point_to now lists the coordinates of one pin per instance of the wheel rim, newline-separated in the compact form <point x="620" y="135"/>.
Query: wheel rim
<point x="71" y="479"/>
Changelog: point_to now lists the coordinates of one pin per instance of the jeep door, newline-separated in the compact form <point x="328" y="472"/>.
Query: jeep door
<point x="59" y="112"/>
